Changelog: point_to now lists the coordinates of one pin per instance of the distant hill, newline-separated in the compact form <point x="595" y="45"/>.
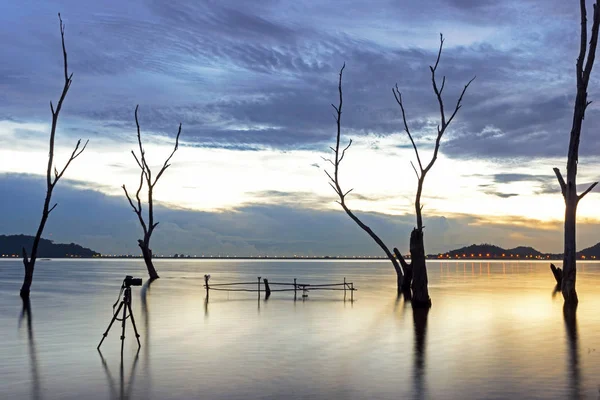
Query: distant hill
<point x="523" y="250"/>
<point x="13" y="244"/>
<point x="478" y="250"/>
<point x="486" y="250"/>
<point x="590" y="252"/>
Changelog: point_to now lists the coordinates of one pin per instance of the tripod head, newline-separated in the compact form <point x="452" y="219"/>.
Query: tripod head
<point x="131" y="281"/>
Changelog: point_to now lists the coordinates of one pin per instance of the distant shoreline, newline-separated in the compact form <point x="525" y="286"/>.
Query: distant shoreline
<point x="324" y="258"/>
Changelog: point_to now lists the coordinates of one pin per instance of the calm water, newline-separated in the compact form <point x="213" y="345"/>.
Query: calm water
<point x="494" y="332"/>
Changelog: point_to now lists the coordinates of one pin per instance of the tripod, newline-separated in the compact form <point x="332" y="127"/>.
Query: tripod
<point x="126" y="305"/>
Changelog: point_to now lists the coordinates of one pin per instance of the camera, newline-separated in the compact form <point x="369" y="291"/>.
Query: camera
<point x="131" y="281"/>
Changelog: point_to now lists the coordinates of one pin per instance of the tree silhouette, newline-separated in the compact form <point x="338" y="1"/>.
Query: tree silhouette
<point x="417" y="246"/>
<point x="569" y="187"/>
<point x="51" y="181"/>
<point x="146" y="178"/>
<point x="414" y="274"/>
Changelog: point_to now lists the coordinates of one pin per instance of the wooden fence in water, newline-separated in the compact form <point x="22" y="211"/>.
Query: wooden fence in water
<point x="286" y="287"/>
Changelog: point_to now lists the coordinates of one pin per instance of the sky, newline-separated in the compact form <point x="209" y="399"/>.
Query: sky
<point x="252" y="83"/>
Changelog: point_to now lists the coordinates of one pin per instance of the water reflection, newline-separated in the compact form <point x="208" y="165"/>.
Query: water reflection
<point x="570" y="316"/>
<point x="33" y="363"/>
<point x="124" y="389"/>
<point x="419" y="367"/>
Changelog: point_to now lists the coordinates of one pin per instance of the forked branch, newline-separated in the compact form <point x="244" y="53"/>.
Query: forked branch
<point x="441" y="128"/>
<point x="146" y="177"/>
<point x="334" y="182"/>
<point x="561" y="182"/>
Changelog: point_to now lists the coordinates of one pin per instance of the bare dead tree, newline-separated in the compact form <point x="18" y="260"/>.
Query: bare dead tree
<point x="146" y="178"/>
<point x="569" y="187"/>
<point x="414" y="274"/>
<point x="338" y="157"/>
<point x="417" y="246"/>
<point x="51" y="181"/>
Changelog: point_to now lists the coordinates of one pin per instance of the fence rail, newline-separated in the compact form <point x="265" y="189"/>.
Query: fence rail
<point x="265" y="286"/>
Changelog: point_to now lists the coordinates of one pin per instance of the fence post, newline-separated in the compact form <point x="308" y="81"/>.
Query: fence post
<point x="294" y="288"/>
<point x="258" y="286"/>
<point x="344" y="287"/>
<point x="206" y="277"/>
<point x="352" y="292"/>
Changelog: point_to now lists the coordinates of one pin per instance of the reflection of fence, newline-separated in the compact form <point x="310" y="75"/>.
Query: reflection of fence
<point x="286" y="287"/>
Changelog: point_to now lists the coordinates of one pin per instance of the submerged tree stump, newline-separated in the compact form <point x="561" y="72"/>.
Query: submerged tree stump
<point x="558" y="274"/>
<point x="420" y="293"/>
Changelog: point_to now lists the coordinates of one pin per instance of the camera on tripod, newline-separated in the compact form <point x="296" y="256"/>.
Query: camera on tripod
<point x="131" y="281"/>
<point x="128" y="282"/>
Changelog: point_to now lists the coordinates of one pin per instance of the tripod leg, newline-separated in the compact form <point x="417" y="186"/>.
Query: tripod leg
<point x="123" y="325"/>
<point x="109" y="325"/>
<point x="137" y="335"/>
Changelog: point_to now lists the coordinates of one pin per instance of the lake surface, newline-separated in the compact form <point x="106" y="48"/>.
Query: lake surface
<point x="495" y="331"/>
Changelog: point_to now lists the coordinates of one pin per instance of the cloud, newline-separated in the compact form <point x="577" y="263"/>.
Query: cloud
<point x="244" y="77"/>
<point x="107" y="224"/>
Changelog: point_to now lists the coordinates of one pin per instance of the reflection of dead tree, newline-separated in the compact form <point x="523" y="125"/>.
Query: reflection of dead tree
<point x="146" y="177"/>
<point x="573" y="351"/>
<point x="419" y="368"/>
<point x="53" y="175"/>
<point x="35" y="376"/>
<point x="569" y="187"/>
<point x="146" y="316"/>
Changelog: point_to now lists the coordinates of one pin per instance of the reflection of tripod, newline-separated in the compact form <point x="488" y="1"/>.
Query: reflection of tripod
<point x="126" y="305"/>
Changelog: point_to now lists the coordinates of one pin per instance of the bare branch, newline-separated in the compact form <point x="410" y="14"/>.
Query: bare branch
<point x="561" y="181"/>
<point x="335" y="190"/>
<point x="416" y="173"/>
<point x="459" y="101"/>
<point x="328" y="160"/>
<point x="62" y="36"/>
<point x="398" y="97"/>
<point x="76" y="152"/>
<point x="334" y="180"/>
<point x="438" y="93"/>
<point x="592" y="186"/>
<point x="400" y="258"/>
<point x="137" y="193"/>
<point x="330" y="177"/>
<point x="344" y="151"/>
<point x="137" y="161"/>
<point x="593" y="42"/>
<point x="129" y="199"/>
<point x="143" y="162"/>
<point x="138" y="209"/>
<point x="166" y="164"/>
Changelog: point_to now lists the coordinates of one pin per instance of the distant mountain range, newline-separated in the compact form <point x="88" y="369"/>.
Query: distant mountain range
<point x="478" y="251"/>
<point x="12" y="245"/>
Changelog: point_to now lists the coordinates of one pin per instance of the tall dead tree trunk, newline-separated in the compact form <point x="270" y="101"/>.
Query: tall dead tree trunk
<point x="417" y="247"/>
<point x="569" y="188"/>
<point x="146" y="178"/>
<point x="416" y="270"/>
<point x="335" y="184"/>
<point x="51" y="181"/>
